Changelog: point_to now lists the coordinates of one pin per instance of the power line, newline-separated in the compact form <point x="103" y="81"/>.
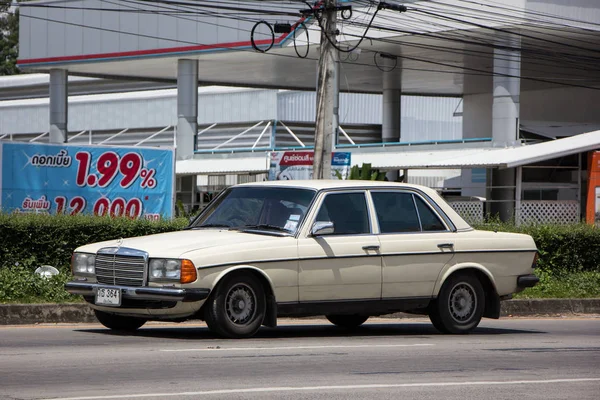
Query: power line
<point x="468" y="71"/>
<point x="566" y="57"/>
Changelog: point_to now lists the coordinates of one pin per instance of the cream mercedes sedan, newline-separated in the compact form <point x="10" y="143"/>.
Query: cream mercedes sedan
<point x="344" y="249"/>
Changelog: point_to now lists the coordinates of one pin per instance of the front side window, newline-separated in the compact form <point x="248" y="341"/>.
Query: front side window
<point x="396" y="212"/>
<point x="347" y="211"/>
<point x="265" y="208"/>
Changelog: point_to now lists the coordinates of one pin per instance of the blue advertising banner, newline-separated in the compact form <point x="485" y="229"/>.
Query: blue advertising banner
<point x="62" y="179"/>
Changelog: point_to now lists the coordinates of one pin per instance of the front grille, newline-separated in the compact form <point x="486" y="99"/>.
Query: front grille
<point x="122" y="270"/>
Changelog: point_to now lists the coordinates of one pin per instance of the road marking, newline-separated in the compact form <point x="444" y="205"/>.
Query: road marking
<point x="337" y="387"/>
<point x="358" y="346"/>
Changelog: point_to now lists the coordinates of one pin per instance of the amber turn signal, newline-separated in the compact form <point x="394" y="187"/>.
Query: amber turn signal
<point x="188" y="272"/>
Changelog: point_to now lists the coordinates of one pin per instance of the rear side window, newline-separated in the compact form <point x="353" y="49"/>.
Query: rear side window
<point x="429" y="220"/>
<point x="396" y="212"/>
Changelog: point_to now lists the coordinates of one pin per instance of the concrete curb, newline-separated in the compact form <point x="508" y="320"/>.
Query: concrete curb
<point x="22" y="314"/>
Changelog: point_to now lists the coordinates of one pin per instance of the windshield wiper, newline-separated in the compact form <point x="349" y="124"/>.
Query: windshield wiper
<point x="265" y="226"/>
<point x="212" y="226"/>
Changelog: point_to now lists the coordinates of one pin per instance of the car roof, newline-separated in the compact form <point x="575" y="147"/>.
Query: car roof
<point x="334" y="184"/>
<point x="320" y="184"/>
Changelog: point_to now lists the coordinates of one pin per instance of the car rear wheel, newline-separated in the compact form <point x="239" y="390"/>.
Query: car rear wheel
<point x="237" y="308"/>
<point x="118" y="322"/>
<point x="459" y="306"/>
<point x="347" y="321"/>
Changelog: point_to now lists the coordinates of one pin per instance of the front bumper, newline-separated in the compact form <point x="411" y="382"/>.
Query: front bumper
<point x="140" y="293"/>
<point x="525" y="281"/>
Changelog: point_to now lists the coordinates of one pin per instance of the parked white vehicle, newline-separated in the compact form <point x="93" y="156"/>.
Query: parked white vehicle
<point x="345" y="249"/>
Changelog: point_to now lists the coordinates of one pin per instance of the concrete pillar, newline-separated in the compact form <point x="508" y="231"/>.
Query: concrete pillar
<point x="391" y="111"/>
<point x="505" y="120"/>
<point x="59" y="95"/>
<point x="476" y="123"/>
<point x="187" y="108"/>
<point x="507" y="90"/>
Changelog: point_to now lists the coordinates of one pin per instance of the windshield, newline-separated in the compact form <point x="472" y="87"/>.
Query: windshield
<point x="258" y="208"/>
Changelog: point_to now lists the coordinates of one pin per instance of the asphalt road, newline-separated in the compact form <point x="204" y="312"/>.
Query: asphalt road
<point x="506" y="359"/>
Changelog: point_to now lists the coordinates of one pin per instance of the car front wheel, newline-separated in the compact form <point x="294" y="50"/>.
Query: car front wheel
<point x="119" y="322"/>
<point x="459" y="306"/>
<point x="237" y="308"/>
<point x="347" y="321"/>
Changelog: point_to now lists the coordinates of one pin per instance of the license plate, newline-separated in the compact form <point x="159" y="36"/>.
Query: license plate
<point x="108" y="297"/>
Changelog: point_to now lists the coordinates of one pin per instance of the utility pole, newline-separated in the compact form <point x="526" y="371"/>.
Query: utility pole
<point x="324" y="134"/>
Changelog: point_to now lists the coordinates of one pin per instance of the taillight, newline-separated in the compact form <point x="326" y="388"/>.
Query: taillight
<point x="535" y="260"/>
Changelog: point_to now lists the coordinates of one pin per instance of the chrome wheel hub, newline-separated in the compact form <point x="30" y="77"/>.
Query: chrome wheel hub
<point x="240" y="304"/>
<point x="462" y="302"/>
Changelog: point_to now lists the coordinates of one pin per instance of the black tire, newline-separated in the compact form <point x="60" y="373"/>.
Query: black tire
<point x="459" y="306"/>
<point x="118" y="322"/>
<point x="435" y="319"/>
<point x="347" y="321"/>
<point x="237" y="307"/>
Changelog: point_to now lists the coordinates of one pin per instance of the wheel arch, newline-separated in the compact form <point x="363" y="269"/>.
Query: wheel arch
<point x="492" y="300"/>
<point x="264" y="279"/>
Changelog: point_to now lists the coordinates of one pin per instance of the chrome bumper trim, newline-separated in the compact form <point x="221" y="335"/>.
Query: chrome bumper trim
<point x="141" y="293"/>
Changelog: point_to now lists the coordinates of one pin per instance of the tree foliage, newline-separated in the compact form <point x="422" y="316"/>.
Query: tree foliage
<point x="9" y="38"/>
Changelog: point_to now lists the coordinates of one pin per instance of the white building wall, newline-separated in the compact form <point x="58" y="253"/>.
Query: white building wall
<point x="430" y="118"/>
<point x="423" y="118"/>
<point x="138" y="110"/>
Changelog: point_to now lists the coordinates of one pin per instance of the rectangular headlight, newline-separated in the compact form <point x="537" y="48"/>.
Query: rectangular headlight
<point x="161" y="269"/>
<point x="83" y="264"/>
<point x="170" y="270"/>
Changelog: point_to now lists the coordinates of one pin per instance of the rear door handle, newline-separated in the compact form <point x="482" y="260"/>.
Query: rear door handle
<point x="446" y="245"/>
<point x="374" y="247"/>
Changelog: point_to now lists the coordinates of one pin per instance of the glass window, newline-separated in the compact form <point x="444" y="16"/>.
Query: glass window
<point x="260" y="207"/>
<point x="347" y="211"/>
<point x="429" y="220"/>
<point x="396" y="212"/>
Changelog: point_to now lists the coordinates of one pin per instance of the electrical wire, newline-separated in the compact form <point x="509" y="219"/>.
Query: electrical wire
<point x="382" y="69"/>
<point x="253" y="42"/>
<point x="307" y="41"/>
<point x="471" y="71"/>
<point x="445" y="36"/>
<point x="332" y="42"/>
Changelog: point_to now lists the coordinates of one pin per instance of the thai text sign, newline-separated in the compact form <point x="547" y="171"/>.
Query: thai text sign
<point x="133" y="182"/>
<point x="293" y="165"/>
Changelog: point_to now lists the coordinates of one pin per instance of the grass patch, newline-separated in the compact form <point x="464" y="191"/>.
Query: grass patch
<point x="579" y="285"/>
<point x="18" y="284"/>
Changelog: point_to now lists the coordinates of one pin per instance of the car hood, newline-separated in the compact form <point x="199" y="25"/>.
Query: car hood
<point x="177" y="244"/>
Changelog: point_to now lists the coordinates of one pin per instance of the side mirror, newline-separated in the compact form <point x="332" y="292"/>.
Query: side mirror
<point x="322" y="228"/>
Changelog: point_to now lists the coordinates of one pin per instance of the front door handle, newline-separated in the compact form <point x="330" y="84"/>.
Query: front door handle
<point x="374" y="247"/>
<point x="446" y="245"/>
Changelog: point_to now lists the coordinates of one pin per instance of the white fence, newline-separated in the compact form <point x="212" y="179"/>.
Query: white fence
<point x="531" y="212"/>
<point x="471" y="211"/>
<point x="544" y="211"/>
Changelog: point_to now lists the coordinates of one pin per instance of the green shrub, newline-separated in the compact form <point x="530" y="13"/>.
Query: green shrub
<point x="29" y="241"/>
<point x="18" y="284"/>
<point x="38" y="239"/>
<point x="569" y="264"/>
<point x="563" y="249"/>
